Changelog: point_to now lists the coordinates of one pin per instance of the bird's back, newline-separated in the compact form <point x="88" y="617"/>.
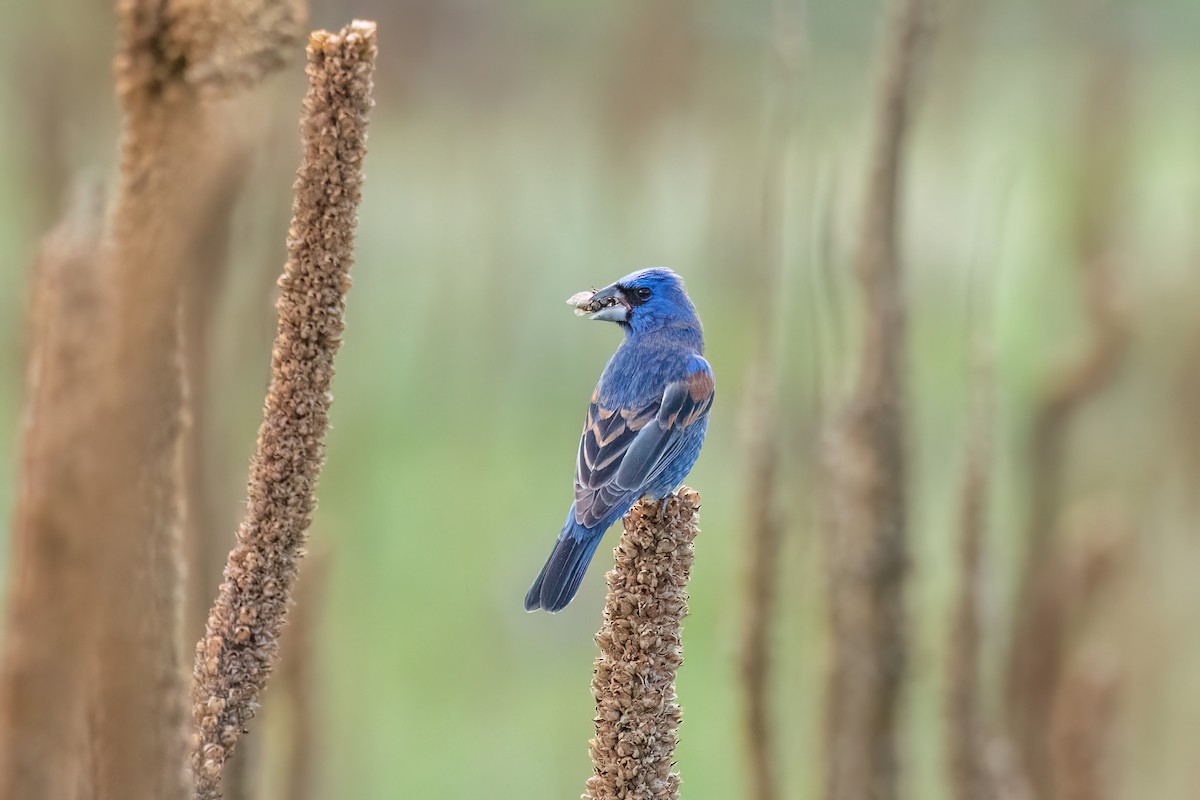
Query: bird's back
<point x="642" y="366"/>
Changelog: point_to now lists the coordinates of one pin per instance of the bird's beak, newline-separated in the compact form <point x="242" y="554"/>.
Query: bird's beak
<point x="608" y="304"/>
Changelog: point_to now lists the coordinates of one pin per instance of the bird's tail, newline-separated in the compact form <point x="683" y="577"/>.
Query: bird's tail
<point x="559" y="580"/>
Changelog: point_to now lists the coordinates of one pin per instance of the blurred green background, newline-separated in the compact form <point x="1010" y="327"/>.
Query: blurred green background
<point x="521" y="152"/>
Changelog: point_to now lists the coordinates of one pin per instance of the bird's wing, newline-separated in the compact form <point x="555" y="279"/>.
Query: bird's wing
<point x="623" y="450"/>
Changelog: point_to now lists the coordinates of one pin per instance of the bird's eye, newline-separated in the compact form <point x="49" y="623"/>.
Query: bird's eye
<point x="643" y="292"/>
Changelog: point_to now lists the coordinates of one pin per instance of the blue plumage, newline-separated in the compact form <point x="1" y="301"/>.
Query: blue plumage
<point x="645" y="423"/>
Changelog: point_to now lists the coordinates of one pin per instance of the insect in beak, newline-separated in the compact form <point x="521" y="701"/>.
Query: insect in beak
<point x="608" y="304"/>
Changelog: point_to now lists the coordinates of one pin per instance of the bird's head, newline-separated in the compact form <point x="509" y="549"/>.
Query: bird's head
<point x="641" y="302"/>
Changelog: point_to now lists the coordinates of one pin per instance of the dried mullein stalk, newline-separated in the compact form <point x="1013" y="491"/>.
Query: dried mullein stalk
<point x="965" y="731"/>
<point x="637" y="717"/>
<point x="210" y="44"/>
<point x="1102" y="159"/>
<point x="867" y="534"/>
<point x="1083" y="723"/>
<point x="765" y="528"/>
<point x="168" y="174"/>
<point x="51" y="598"/>
<point x="138" y="703"/>
<point x="104" y="467"/>
<point x="241" y="642"/>
<point x="765" y="524"/>
<point x="237" y="42"/>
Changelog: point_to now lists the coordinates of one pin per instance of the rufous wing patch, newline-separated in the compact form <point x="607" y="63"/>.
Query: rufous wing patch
<point x="700" y="386"/>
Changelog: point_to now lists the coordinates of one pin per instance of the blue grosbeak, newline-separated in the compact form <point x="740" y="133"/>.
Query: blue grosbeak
<point x="645" y="423"/>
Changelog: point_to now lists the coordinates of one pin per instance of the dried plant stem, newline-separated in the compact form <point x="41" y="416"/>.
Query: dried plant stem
<point x="241" y="642"/>
<point x="1076" y="578"/>
<point x="169" y="177"/>
<point x="1032" y="671"/>
<point x="140" y="738"/>
<point x="231" y="43"/>
<point x="764" y="539"/>
<point x="965" y="738"/>
<point x="114" y="386"/>
<point x="641" y="649"/>
<point x="764" y="520"/>
<point x="867" y="540"/>
<point x="140" y="678"/>
<point x="1082" y="723"/>
<point x="51" y="598"/>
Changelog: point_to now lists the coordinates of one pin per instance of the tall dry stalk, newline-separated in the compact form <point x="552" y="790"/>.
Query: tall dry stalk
<point x="867" y="543"/>
<point x="641" y="649"/>
<point x="51" y="597"/>
<point x="965" y="736"/>
<point x="1082" y="724"/>
<point x="166" y="175"/>
<point x="227" y="44"/>
<point x="765" y="523"/>
<point x="111" y="382"/>
<point x="241" y="641"/>
<point x="764" y="539"/>
<point x="1032" y="668"/>
<point x="1076" y="578"/>
<point x="139" y="693"/>
<point x="1089" y="686"/>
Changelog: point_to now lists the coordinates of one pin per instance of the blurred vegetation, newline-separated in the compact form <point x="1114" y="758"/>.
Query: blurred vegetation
<point x="520" y="153"/>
